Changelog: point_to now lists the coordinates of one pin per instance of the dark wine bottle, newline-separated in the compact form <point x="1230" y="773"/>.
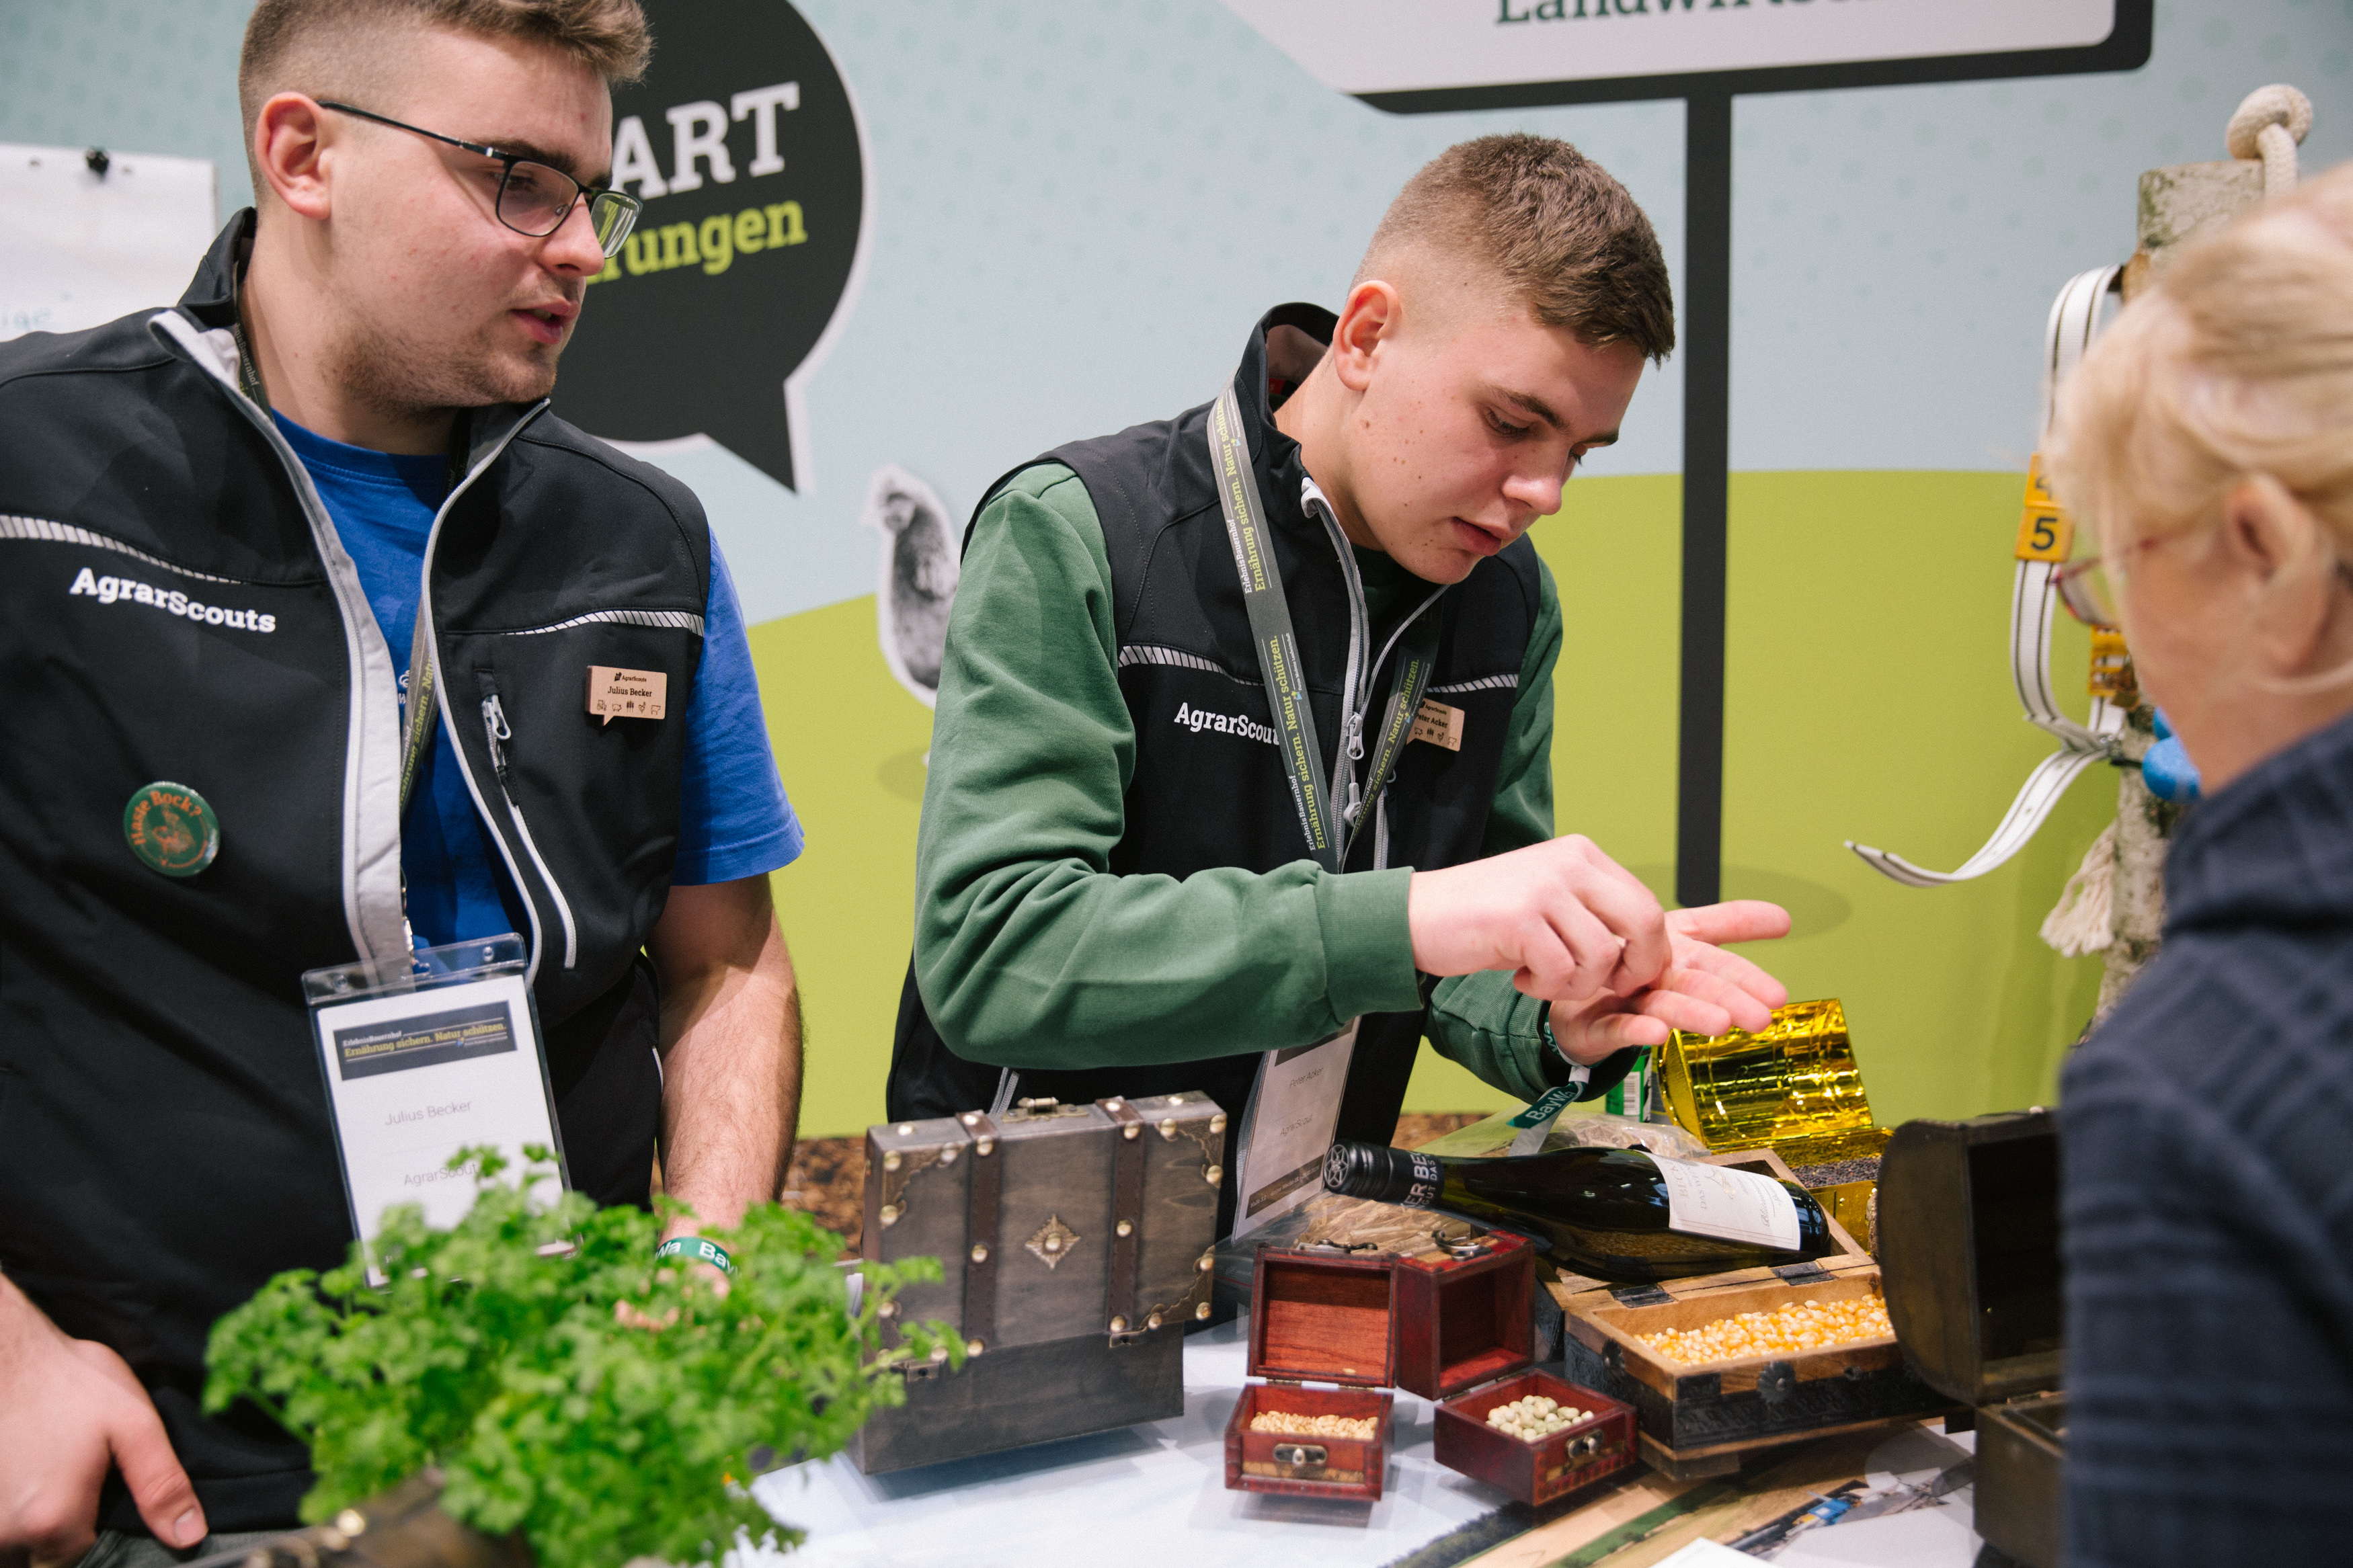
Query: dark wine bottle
<point x="1615" y="1214"/>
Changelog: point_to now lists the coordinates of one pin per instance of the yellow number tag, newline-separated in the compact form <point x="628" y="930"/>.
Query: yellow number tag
<point x="2045" y="533"/>
<point x="2038" y="492"/>
<point x="2112" y="668"/>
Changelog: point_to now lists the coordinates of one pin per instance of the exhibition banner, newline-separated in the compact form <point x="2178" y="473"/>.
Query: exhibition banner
<point x="1368" y="46"/>
<point x="744" y="142"/>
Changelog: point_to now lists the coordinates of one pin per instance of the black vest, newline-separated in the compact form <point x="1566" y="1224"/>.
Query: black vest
<point x="1185" y="642"/>
<point x="165" y="1145"/>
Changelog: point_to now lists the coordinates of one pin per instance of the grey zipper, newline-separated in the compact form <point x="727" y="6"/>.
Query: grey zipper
<point x="1352" y="721"/>
<point x="1357" y="687"/>
<point x="478" y="460"/>
<point x="370" y="837"/>
<point x="498" y="732"/>
<point x="364" y="860"/>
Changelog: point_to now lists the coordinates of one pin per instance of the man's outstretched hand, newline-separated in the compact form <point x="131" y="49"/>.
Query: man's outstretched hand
<point x="1580" y="931"/>
<point x="1704" y="989"/>
<point x="70" y="1409"/>
<point x="1567" y="921"/>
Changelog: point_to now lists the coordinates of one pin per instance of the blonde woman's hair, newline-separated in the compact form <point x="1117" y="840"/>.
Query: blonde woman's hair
<point x="2237" y="364"/>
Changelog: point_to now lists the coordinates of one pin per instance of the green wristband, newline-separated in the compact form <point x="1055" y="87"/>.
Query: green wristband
<point x="696" y="1250"/>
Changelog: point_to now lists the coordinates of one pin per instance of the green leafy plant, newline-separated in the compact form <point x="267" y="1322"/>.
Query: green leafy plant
<point x="566" y="1383"/>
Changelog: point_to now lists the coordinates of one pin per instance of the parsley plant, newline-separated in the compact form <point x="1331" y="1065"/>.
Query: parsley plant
<point x="566" y="1384"/>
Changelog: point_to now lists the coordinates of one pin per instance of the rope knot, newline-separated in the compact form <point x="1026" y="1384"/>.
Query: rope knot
<point x="2268" y="124"/>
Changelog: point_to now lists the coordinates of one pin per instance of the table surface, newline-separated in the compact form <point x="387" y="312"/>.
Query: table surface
<point x="1155" y="1494"/>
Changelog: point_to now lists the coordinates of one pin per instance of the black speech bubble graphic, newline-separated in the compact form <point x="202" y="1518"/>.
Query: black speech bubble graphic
<point x="745" y="147"/>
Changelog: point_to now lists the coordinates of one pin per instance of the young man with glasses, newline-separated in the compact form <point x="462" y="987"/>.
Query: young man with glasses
<point x="247" y="541"/>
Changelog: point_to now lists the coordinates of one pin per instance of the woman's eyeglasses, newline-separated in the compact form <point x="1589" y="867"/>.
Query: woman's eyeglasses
<point x="535" y="197"/>
<point x="2089" y="591"/>
<point x="2090" y="587"/>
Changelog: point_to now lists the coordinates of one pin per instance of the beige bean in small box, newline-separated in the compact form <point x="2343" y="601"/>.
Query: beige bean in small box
<point x="1535" y="1418"/>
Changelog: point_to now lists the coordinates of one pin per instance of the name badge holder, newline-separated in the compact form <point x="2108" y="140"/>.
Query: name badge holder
<point x="424" y="1055"/>
<point x="1294" y="1103"/>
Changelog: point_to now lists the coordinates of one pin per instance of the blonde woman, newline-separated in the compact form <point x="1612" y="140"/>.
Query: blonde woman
<point x="2208" y="1125"/>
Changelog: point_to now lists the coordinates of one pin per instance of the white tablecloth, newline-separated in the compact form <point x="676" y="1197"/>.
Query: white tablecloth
<point x="1154" y="1495"/>
<point x="1140" y="1497"/>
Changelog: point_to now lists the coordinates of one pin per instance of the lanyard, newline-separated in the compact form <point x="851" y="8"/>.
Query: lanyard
<point x="1278" y="650"/>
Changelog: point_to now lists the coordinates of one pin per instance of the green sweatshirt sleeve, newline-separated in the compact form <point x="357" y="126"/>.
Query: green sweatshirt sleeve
<point x="1482" y="1020"/>
<point x="1030" y="953"/>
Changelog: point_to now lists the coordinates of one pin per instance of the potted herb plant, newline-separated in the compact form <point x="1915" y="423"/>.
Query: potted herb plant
<point x="568" y="1389"/>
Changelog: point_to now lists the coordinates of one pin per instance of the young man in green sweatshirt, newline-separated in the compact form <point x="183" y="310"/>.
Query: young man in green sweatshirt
<point x="1138" y="874"/>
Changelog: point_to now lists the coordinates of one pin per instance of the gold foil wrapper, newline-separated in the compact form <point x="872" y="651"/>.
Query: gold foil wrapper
<point x="1793" y="1088"/>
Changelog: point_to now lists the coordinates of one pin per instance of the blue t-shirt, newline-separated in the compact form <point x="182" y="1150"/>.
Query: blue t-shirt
<point x="733" y="819"/>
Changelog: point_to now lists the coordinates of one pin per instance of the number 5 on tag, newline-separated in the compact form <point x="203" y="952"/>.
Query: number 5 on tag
<point x="626" y="693"/>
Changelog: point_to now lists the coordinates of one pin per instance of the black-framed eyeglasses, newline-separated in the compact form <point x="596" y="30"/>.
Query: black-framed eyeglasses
<point x="534" y="198"/>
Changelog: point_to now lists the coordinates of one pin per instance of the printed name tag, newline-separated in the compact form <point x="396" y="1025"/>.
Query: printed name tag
<point x="1437" y="725"/>
<point x="626" y="693"/>
<point x="424" y="1055"/>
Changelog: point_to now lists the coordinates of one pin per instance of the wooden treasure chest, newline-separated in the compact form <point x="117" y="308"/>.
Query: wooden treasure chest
<point x="1765" y="1385"/>
<point x="1969" y="1224"/>
<point x="1075" y="1242"/>
<point x="1454" y="1326"/>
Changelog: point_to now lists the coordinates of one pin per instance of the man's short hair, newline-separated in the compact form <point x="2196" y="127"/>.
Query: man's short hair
<point x="315" y="46"/>
<point x="1561" y="232"/>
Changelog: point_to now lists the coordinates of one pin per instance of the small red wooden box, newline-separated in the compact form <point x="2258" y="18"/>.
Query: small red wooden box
<point x="1554" y="1465"/>
<point x="1456" y="1331"/>
<point x="1331" y="1319"/>
<point x="1463" y="1321"/>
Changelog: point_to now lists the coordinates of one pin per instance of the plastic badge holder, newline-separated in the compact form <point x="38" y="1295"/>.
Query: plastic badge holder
<point x="423" y="1055"/>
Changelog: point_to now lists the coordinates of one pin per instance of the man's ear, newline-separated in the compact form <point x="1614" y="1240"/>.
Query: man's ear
<point x="2287" y="556"/>
<point x="1371" y="313"/>
<point x="289" y="140"/>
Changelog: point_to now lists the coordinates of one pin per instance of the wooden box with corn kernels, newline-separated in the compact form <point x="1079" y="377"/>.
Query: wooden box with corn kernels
<point x="1075" y="1245"/>
<point x="1720" y="1366"/>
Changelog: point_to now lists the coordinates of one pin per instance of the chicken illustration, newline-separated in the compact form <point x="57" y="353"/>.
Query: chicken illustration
<point x="918" y="578"/>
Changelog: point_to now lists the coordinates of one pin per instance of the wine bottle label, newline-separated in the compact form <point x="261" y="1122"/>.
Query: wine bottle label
<point x="1729" y="1206"/>
<point x="1428" y="1176"/>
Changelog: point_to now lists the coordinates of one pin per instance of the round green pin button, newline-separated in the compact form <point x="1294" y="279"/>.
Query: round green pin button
<point x="171" y="829"/>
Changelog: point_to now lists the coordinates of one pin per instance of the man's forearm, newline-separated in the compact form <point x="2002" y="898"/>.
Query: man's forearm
<point x="731" y="1035"/>
<point x="731" y="1094"/>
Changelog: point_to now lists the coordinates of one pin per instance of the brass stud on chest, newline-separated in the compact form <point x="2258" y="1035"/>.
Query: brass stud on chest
<point x="1052" y="1241"/>
<point x="891" y="1161"/>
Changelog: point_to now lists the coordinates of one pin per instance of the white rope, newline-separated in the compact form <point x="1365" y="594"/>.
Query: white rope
<point x="2269" y="123"/>
<point x="2081" y="922"/>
